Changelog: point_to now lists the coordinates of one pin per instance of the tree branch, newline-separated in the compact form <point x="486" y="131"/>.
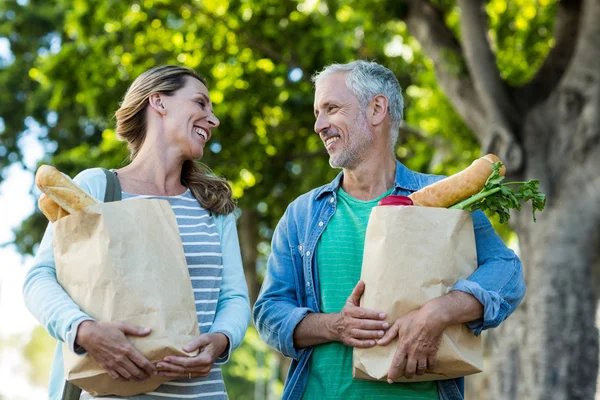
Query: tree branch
<point x="584" y="70"/>
<point x="492" y="90"/>
<point x="426" y="23"/>
<point x="566" y="26"/>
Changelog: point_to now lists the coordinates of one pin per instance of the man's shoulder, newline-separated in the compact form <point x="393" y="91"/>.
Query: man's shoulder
<point x="310" y="197"/>
<point x="427" y="179"/>
<point x="413" y="180"/>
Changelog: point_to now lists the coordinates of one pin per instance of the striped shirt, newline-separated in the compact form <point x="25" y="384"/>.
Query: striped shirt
<point x="202" y="248"/>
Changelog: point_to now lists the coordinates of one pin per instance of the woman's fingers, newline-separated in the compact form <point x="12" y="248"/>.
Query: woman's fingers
<point x="168" y="367"/>
<point x="135" y="372"/>
<point x="142" y="362"/>
<point x="169" y="370"/>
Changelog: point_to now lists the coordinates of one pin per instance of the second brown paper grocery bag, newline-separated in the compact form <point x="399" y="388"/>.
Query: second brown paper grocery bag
<point x="412" y="255"/>
<point x="124" y="261"/>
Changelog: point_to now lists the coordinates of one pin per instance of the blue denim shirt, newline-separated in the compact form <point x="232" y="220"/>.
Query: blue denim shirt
<point x="291" y="287"/>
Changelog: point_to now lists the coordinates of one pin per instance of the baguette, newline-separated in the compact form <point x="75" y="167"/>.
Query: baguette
<point x="62" y="189"/>
<point x="455" y="188"/>
<point x="48" y="207"/>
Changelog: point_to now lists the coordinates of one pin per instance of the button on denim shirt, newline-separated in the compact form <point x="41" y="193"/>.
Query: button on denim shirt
<point x="291" y="287"/>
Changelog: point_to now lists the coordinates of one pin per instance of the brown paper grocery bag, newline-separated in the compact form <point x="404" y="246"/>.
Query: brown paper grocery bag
<point x="124" y="261"/>
<point x="412" y="255"/>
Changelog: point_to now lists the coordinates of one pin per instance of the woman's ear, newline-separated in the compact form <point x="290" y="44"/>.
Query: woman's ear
<point x="157" y="103"/>
<point x="379" y="109"/>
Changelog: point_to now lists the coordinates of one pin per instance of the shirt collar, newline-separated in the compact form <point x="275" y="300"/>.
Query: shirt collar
<point x="405" y="179"/>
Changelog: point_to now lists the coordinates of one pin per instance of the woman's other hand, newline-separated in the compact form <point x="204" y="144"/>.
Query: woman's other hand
<point x="211" y="346"/>
<point x="107" y="344"/>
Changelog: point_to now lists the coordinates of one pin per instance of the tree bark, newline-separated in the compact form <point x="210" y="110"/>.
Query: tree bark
<point x="491" y="88"/>
<point x="548" y="348"/>
<point x="426" y="23"/>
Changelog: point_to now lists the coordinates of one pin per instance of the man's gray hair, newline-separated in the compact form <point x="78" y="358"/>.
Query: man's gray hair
<point x="366" y="80"/>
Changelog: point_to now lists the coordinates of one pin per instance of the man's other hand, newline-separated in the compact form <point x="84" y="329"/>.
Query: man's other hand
<point x="356" y="326"/>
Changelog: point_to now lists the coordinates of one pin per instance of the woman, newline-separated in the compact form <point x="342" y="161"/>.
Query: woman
<point x="166" y="117"/>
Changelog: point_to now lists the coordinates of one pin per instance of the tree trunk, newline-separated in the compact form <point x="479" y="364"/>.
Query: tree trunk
<point x="549" y="348"/>
<point x="248" y="236"/>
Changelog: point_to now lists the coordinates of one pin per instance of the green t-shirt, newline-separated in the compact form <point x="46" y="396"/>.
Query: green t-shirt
<point x="339" y="261"/>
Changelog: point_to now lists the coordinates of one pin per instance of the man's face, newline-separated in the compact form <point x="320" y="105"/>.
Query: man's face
<point x="340" y="122"/>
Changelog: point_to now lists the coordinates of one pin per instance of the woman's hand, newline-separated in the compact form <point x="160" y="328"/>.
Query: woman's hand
<point x="211" y="346"/>
<point x="107" y="344"/>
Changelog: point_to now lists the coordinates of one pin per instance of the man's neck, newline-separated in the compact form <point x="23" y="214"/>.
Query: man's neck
<point x="371" y="178"/>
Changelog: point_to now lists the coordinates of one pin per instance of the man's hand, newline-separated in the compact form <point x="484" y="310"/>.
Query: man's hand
<point x="107" y="344"/>
<point x="356" y="326"/>
<point x="419" y="333"/>
<point x="211" y="346"/>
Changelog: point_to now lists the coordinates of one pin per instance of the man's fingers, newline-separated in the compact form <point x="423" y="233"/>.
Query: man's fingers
<point x="411" y="368"/>
<point x="356" y="294"/>
<point x="398" y="365"/>
<point x="134" y="330"/>
<point x="366" y="334"/>
<point x="389" y="335"/>
<point x="421" y="366"/>
<point x="365" y="313"/>
<point x="361" y="344"/>
<point x="368" y="324"/>
<point x="431" y="363"/>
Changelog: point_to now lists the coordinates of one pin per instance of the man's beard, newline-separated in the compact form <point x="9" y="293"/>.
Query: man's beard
<point x="354" y="151"/>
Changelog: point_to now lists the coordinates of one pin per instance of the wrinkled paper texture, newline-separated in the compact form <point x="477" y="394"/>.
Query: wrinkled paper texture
<point x="124" y="261"/>
<point x="412" y="255"/>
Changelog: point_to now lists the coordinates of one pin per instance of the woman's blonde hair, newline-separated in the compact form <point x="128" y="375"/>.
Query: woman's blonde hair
<point x="213" y="193"/>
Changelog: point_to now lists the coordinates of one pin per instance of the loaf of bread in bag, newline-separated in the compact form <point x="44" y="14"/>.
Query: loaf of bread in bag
<point x="62" y="190"/>
<point x="50" y="209"/>
<point x="457" y="187"/>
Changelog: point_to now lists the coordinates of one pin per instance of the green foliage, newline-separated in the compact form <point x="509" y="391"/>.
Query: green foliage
<point x="497" y="198"/>
<point x="521" y="33"/>
<point x="74" y="59"/>
<point x="39" y="352"/>
<point x="252" y="367"/>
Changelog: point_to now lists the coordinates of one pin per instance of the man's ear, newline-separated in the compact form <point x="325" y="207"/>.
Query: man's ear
<point x="379" y="109"/>
<point x="156" y="103"/>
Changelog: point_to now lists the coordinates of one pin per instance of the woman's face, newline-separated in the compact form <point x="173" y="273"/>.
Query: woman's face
<point x="189" y="118"/>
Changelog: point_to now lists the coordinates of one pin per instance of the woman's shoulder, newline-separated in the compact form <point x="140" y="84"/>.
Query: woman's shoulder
<point x="92" y="181"/>
<point x="225" y="222"/>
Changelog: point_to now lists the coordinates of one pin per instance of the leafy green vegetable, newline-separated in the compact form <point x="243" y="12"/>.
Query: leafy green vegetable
<point x="499" y="198"/>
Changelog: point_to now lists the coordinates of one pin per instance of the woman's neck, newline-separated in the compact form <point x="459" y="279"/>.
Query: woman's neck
<point x="153" y="172"/>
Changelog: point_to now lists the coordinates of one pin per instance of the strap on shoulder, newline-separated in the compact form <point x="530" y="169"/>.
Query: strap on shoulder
<point x="71" y="392"/>
<point x="113" y="187"/>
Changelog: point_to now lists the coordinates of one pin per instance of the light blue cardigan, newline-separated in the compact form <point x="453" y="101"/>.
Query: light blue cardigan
<point x="55" y="310"/>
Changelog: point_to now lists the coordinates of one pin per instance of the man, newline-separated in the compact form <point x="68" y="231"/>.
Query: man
<point x="308" y="307"/>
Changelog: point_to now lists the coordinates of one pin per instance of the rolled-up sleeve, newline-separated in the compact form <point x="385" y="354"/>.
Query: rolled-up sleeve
<point x="498" y="281"/>
<point x="277" y="311"/>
